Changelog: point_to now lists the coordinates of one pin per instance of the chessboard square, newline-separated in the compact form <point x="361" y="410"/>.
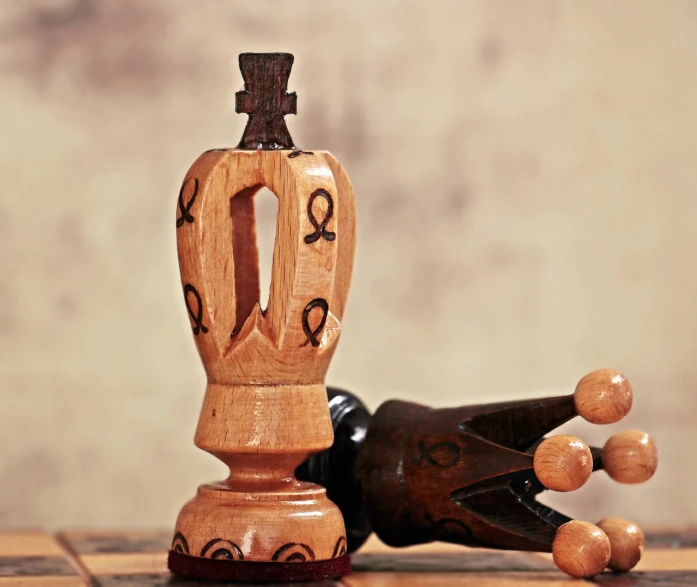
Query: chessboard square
<point x="90" y="542"/>
<point x="514" y="579"/>
<point x="31" y="543"/>
<point x="168" y="580"/>
<point x="647" y="579"/>
<point x="470" y="560"/>
<point x="668" y="559"/>
<point x="140" y="580"/>
<point x="24" y="566"/>
<point x="41" y="581"/>
<point x="667" y="539"/>
<point x="125" y="564"/>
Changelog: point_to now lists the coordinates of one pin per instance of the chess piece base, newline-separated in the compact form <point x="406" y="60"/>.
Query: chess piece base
<point x="261" y="521"/>
<point x="257" y="572"/>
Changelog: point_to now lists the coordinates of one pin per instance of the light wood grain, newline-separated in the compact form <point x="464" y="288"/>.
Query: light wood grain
<point x="268" y="348"/>
<point x="581" y="549"/>
<point x="603" y="396"/>
<point x="29" y="544"/>
<point x="265" y="408"/>
<point x="668" y="559"/>
<point x="563" y="463"/>
<point x="630" y="456"/>
<point x="42" y="581"/>
<point x="626" y="543"/>
<point x="509" y="579"/>
<point x="125" y="563"/>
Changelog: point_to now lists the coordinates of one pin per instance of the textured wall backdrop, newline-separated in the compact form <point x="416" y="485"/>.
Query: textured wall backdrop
<point x="526" y="185"/>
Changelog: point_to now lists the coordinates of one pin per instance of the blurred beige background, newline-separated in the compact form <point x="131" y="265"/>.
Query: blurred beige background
<point x="527" y="197"/>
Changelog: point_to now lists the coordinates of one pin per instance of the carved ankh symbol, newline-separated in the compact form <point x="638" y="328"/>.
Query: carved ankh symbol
<point x="320" y="228"/>
<point x="185" y="209"/>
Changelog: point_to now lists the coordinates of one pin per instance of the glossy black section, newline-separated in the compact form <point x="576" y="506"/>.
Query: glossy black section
<point x="335" y="468"/>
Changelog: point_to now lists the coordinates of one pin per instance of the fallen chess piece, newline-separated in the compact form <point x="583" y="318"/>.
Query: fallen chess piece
<point x="471" y="475"/>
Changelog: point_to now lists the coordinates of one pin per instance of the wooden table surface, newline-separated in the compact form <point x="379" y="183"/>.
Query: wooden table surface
<point x="138" y="559"/>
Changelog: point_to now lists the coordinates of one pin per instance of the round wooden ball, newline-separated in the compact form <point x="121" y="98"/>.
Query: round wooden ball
<point x="603" y="397"/>
<point x="581" y="549"/>
<point x="563" y="463"/>
<point x="630" y="456"/>
<point x="626" y="543"/>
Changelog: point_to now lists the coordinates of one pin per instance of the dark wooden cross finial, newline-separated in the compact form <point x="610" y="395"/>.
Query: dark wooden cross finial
<point x="266" y="101"/>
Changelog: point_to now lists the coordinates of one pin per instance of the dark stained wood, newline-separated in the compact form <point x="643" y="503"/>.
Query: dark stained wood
<point x="23" y="566"/>
<point x="461" y="474"/>
<point x="464" y="475"/>
<point x="266" y="101"/>
<point x="166" y="580"/>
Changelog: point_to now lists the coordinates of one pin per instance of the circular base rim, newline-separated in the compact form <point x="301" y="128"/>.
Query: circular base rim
<point x="258" y="572"/>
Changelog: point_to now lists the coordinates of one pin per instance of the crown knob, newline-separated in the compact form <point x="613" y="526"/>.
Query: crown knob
<point x="563" y="463"/>
<point x="630" y="456"/>
<point x="626" y="543"/>
<point x="581" y="549"/>
<point x="603" y="397"/>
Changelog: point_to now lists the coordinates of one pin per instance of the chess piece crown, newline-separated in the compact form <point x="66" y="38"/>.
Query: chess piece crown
<point x="471" y="475"/>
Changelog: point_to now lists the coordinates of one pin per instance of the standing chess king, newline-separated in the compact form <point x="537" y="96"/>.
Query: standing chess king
<point x="265" y="409"/>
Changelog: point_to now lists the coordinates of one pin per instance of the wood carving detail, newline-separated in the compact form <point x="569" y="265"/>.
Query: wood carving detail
<point x="297" y="152"/>
<point x="219" y="548"/>
<point x="185" y="209"/>
<point x="440" y="454"/>
<point x="196" y="314"/>
<point x="320" y="227"/>
<point x="309" y="331"/>
<point x="293" y="552"/>
<point x="228" y="287"/>
<point x="340" y="547"/>
<point x="179" y="544"/>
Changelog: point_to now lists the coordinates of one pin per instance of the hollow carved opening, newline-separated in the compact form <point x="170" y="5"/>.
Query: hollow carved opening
<point x="253" y="246"/>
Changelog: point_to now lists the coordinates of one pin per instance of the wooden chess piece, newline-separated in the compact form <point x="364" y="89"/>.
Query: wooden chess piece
<point x="471" y="475"/>
<point x="265" y="408"/>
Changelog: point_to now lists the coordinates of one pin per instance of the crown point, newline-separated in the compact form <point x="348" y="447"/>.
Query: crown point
<point x="563" y="463"/>
<point x="581" y="549"/>
<point x="630" y="456"/>
<point x="626" y="543"/>
<point x="603" y="397"/>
